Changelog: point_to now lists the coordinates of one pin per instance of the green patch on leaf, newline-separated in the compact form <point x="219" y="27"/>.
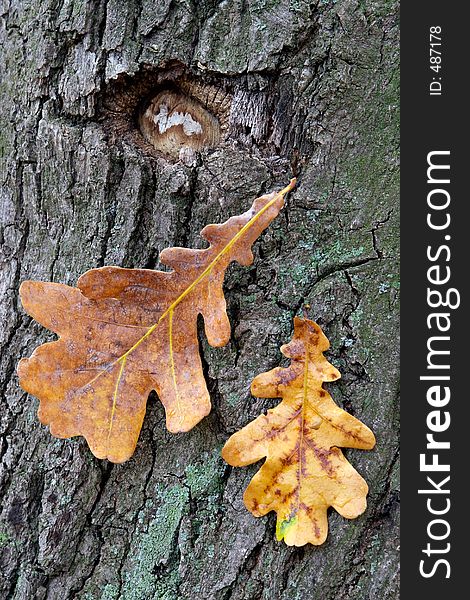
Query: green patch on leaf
<point x="282" y="527"/>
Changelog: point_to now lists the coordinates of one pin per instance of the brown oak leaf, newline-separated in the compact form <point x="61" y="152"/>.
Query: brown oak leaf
<point x="125" y="332"/>
<point x="305" y="472"/>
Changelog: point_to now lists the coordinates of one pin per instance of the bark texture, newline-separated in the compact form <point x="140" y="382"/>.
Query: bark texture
<point x="314" y="89"/>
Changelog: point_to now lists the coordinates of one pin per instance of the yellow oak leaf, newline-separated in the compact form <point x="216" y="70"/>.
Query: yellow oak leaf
<point x="125" y="332"/>
<point x="305" y="471"/>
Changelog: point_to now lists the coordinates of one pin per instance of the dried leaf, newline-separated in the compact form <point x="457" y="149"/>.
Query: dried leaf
<point x="125" y="332"/>
<point x="305" y="472"/>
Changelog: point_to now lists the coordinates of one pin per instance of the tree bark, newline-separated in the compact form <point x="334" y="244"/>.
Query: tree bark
<point x="317" y="87"/>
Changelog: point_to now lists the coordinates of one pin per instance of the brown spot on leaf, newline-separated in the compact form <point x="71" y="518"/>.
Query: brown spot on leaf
<point x="323" y="457"/>
<point x="285" y="376"/>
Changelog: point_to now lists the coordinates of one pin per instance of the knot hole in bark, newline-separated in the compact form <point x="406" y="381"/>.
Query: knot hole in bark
<point x="174" y="111"/>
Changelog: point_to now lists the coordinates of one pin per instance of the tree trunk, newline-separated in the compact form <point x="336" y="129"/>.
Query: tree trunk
<point x="313" y="88"/>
